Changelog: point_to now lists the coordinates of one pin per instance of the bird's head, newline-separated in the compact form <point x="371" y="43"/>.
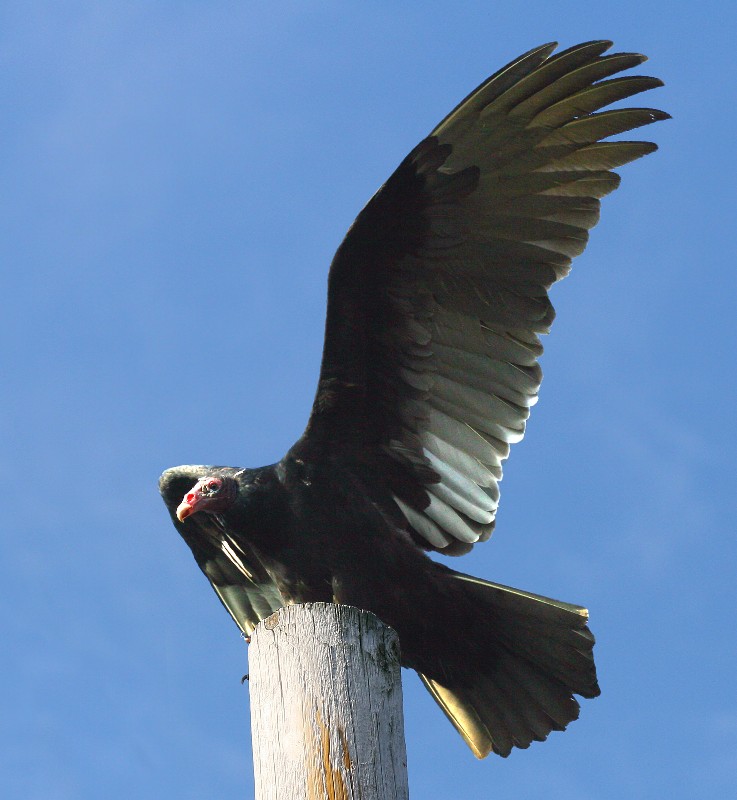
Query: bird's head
<point x="213" y="493"/>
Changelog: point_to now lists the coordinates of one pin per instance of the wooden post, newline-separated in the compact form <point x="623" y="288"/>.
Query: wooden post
<point x="326" y="706"/>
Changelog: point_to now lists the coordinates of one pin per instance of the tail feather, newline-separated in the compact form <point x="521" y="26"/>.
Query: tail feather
<point x="531" y="656"/>
<point x="466" y="719"/>
<point x="581" y="639"/>
<point x="539" y="709"/>
<point x="555" y="700"/>
<point x="527" y="604"/>
<point x="512" y="707"/>
<point x="564" y="662"/>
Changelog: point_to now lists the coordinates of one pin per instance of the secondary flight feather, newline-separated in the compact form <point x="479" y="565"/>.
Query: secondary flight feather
<point x="437" y="298"/>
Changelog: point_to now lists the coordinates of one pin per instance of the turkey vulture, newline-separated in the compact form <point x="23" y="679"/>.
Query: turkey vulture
<point x="437" y="298"/>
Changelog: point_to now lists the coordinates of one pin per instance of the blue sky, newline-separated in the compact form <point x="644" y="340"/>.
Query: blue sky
<point x="175" y="178"/>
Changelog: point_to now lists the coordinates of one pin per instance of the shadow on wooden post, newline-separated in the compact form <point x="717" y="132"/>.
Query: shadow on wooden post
<point x="326" y="706"/>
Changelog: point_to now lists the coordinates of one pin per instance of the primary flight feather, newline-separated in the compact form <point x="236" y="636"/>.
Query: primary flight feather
<point x="436" y="301"/>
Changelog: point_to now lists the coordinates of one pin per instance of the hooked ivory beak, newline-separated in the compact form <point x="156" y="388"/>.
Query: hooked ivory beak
<point x="184" y="509"/>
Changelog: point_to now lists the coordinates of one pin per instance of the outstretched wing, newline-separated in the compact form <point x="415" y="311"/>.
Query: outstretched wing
<point x="439" y="292"/>
<point x="233" y="569"/>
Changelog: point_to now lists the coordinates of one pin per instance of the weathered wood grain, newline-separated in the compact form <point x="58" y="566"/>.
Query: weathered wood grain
<point x="326" y="706"/>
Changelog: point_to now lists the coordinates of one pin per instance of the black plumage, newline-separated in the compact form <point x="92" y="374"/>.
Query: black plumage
<point x="436" y="300"/>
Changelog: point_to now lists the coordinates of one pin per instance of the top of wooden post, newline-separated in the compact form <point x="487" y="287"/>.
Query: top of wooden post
<point x="326" y="706"/>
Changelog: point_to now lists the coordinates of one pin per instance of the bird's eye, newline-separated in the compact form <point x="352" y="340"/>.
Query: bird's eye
<point x="212" y="486"/>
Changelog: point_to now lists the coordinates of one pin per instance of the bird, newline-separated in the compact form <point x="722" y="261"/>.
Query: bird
<point x="437" y="299"/>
